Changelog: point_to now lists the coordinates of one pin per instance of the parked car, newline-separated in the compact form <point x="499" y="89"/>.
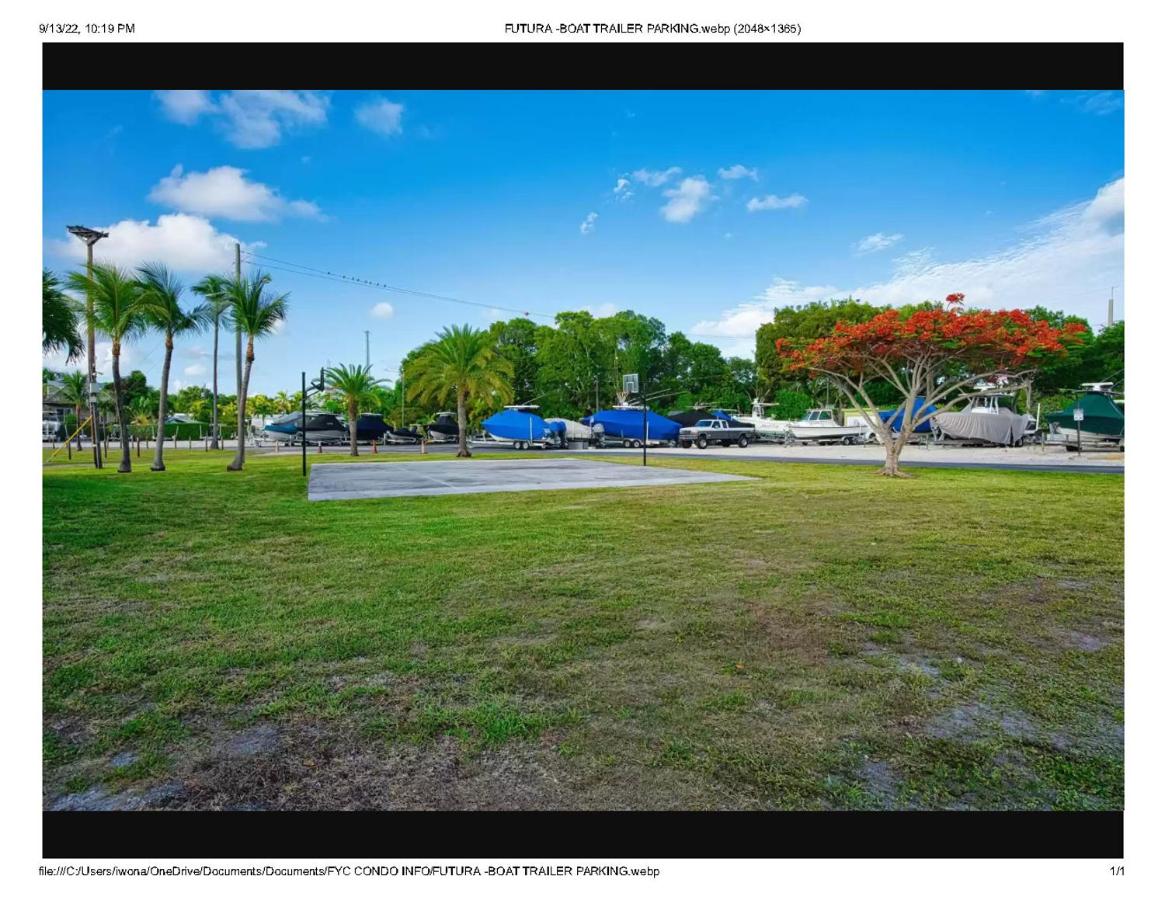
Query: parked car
<point x="708" y="431"/>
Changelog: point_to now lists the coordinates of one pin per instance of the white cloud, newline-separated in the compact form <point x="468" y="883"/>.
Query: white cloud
<point x="588" y="224"/>
<point x="224" y="192"/>
<point x="1099" y="103"/>
<point x="737" y="171"/>
<point x="382" y="310"/>
<point x="655" y="177"/>
<point x="872" y="243"/>
<point x="382" y="116"/>
<point x="1068" y="261"/>
<point x="183" y="242"/>
<point x="622" y="188"/>
<point x="195" y="370"/>
<point x="186" y="106"/>
<point x="249" y="119"/>
<point x="735" y="330"/>
<point x="602" y="311"/>
<point x="772" y="201"/>
<point x="690" y="197"/>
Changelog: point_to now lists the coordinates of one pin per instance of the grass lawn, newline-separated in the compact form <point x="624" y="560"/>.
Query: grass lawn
<point x="818" y="638"/>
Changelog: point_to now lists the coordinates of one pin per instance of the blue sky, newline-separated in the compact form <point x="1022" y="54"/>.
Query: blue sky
<point x="703" y="209"/>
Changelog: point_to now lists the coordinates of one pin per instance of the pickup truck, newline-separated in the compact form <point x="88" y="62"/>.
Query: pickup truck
<point x="706" y="431"/>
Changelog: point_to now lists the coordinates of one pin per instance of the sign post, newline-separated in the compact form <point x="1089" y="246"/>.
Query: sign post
<point x="1078" y="417"/>
<point x="631" y="386"/>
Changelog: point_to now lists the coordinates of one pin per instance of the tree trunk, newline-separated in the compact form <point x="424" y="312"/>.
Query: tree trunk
<point x="122" y="424"/>
<point x="352" y="415"/>
<point x="77" y="412"/>
<point x="214" y="392"/>
<point x="462" y="442"/>
<point x="163" y="391"/>
<point x="893" y="453"/>
<point x="240" y="456"/>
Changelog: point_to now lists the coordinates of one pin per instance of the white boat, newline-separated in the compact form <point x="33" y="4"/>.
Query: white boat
<point x="766" y="428"/>
<point x="984" y="420"/>
<point x="820" y="425"/>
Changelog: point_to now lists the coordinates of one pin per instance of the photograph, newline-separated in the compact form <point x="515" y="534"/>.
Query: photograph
<point x="727" y="462"/>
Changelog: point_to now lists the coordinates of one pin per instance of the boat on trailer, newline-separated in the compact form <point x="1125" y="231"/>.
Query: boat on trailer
<point x="767" y="428"/>
<point x="819" y="425"/>
<point x="1101" y="418"/>
<point x="322" y="428"/>
<point x="986" y="420"/>
<point x="443" y="429"/>
<point x="624" y="425"/>
<point x="522" y="427"/>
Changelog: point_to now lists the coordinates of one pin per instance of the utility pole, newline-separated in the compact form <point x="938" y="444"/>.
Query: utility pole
<point x="90" y="236"/>
<point x="1111" y="300"/>
<point x="367" y="353"/>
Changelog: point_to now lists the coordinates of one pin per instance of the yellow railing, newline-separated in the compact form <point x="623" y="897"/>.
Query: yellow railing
<point x="80" y="428"/>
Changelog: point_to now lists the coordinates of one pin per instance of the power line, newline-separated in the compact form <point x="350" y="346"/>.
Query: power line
<point x="310" y="271"/>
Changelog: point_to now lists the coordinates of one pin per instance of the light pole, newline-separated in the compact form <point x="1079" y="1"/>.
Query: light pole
<point x="90" y="236"/>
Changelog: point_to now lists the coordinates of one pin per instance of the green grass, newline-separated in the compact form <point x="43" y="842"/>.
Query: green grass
<point x="817" y="638"/>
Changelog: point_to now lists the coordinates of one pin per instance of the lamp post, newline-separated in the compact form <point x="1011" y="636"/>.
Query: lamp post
<point x="90" y="236"/>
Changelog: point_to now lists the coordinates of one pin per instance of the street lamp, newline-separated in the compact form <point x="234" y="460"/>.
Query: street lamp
<point x="90" y="236"/>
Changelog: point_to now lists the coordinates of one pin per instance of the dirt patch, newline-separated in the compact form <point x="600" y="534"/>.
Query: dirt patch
<point x="1089" y="643"/>
<point x="101" y="799"/>
<point x="974" y="721"/>
<point x="880" y="782"/>
<point x="253" y="741"/>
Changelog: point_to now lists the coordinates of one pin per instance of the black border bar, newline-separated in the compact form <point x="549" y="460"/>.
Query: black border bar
<point x="584" y="66"/>
<point x="584" y="835"/>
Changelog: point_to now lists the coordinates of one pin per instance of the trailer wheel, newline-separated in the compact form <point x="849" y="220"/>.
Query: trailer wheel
<point x="636" y="444"/>
<point x="517" y="445"/>
<point x="626" y="443"/>
<point x="685" y="444"/>
<point x="702" y="442"/>
<point x="743" y="442"/>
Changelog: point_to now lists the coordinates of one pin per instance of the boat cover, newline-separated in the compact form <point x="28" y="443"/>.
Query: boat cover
<point x="894" y="417"/>
<point x="370" y="427"/>
<point x="517" y="425"/>
<point x="574" y="431"/>
<point x="628" y="423"/>
<point x="1101" y="415"/>
<point x="1003" y="427"/>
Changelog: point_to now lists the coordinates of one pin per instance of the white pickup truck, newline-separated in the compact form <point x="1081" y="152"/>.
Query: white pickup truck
<point x="708" y="431"/>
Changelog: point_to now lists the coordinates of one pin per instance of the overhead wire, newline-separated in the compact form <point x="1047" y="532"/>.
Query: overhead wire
<point x="280" y="265"/>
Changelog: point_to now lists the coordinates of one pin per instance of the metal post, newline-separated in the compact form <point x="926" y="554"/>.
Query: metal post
<point x="367" y="352"/>
<point x="643" y="394"/>
<point x="303" y="421"/>
<point x="90" y="236"/>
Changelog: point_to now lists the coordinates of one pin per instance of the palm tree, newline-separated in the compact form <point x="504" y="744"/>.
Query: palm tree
<point x="462" y="362"/>
<point x="75" y="389"/>
<point x="58" y="319"/>
<point x="255" y="312"/>
<point x="117" y="313"/>
<point x="162" y="308"/>
<point x="283" y="403"/>
<point x="211" y="287"/>
<point x="356" y="385"/>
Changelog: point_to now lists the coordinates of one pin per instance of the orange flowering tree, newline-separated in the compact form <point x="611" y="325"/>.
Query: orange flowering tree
<point x="933" y="358"/>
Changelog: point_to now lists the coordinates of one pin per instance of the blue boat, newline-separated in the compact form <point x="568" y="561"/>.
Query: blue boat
<point x="894" y="417"/>
<point x="524" y="427"/>
<point x="625" y="423"/>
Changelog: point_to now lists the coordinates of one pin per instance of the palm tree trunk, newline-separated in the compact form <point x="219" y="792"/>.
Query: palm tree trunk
<point x="352" y="415"/>
<point x="122" y="424"/>
<point x="163" y="391"/>
<point x="214" y="392"/>
<point x="244" y="379"/>
<point x="462" y="443"/>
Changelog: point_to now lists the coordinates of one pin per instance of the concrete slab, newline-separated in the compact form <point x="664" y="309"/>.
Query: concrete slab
<point x="360" y="481"/>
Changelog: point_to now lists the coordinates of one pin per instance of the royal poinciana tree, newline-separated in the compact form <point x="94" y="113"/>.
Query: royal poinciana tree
<point x="933" y="358"/>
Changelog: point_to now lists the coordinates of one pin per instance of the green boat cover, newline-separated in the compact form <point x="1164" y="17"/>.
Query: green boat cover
<point x="1101" y="415"/>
